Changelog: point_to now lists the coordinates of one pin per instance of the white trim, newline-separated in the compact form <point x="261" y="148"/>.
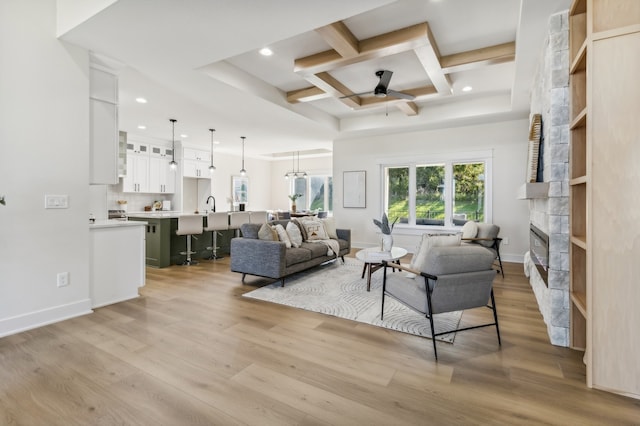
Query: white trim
<point x="43" y="317"/>
<point x="437" y="157"/>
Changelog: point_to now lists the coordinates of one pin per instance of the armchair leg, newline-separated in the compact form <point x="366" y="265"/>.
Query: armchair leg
<point x="495" y="316"/>
<point x="433" y="336"/>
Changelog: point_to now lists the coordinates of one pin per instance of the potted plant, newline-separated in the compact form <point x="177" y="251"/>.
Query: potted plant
<point x="293" y="198"/>
<point x="386" y="229"/>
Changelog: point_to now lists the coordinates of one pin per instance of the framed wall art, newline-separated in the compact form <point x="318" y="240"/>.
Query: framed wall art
<point x="354" y="189"/>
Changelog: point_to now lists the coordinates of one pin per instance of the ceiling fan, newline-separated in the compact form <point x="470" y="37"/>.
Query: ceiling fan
<point x="382" y="90"/>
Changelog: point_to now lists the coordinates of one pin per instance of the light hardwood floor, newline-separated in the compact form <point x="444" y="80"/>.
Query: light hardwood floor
<point x="192" y="350"/>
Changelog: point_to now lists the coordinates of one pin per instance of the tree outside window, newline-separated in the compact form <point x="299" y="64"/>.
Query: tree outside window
<point x="445" y="194"/>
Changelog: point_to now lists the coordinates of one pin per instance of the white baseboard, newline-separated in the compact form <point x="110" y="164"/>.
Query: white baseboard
<point x="37" y="319"/>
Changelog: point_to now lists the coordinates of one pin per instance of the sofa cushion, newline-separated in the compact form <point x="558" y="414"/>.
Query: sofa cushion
<point x="316" y="249"/>
<point x="458" y="259"/>
<point x="429" y="241"/>
<point x="250" y="230"/>
<point x="469" y="229"/>
<point x="330" y="227"/>
<point x="267" y="233"/>
<point x="297" y="255"/>
<point x="315" y="230"/>
<point x="282" y="235"/>
<point x="487" y="230"/>
<point x="294" y="234"/>
<point x="303" y="232"/>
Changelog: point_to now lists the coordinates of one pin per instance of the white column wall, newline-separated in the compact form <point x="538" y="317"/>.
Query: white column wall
<point x="507" y="141"/>
<point x="44" y="144"/>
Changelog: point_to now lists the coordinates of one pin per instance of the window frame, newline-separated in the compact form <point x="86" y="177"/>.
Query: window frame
<point x="327" y="193"/>
<point x="448" y="160"/>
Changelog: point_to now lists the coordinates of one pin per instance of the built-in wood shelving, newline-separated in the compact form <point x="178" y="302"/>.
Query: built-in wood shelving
<point x="604" y="41"/>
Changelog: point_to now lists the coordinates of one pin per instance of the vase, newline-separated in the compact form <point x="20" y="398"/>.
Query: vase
<point x="387" y="242"/>
<point x="293" y="208"/>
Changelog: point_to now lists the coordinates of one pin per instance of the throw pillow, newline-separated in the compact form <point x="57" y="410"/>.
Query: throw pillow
<point x="249" y="230"/>
<point x="487" y="230"/>
<point x="303" y="232"/>
<point x="294" y="234"/>
<point x="330" y="227"/>
<point x="282" y="235"/>
<point x="469" y="229"/>
<point x="428" y="241"/>
<point x="266" y="233"/>
<point x="315" y="230"/>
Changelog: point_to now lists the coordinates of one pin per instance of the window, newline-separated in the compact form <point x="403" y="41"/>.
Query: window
<point x="437" y="193"/>
<point x="317" y="193"/>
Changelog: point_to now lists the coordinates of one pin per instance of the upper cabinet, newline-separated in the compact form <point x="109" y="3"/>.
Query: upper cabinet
<point x="148" y="169"/>
<point x="104" y="136"/>
<point x="196" y="163"/>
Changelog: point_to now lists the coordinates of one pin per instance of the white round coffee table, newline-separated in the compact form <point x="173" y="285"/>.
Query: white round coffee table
<point x="373" y="258"/>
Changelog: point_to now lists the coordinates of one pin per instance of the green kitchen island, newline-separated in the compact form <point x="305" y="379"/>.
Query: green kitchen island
<point x="163" y="246"/>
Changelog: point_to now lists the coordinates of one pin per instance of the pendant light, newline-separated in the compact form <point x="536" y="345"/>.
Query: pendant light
<point x="295" y="172"/>
<point x="212" y="167"/>
<point x="243" y="172"/>
<point x="172" y="164"/>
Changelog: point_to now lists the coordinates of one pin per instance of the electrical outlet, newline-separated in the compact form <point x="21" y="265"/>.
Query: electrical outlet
<point x="505" y="241"/>
<point x="63" y="279"/>
<point x="56" y="201"/>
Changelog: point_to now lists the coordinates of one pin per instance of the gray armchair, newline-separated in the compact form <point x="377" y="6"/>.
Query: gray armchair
<point x="458" y="278"/>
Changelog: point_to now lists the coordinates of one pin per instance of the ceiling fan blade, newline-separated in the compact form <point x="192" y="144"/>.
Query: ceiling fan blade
<point x="400" y="95"/>
<point x="385" y="77"/>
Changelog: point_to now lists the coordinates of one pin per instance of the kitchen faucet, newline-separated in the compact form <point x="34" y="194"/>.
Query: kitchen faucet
<point x="211" y="197"/>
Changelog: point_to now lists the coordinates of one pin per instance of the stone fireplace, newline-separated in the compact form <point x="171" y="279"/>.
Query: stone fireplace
<point x="550" y="213"/>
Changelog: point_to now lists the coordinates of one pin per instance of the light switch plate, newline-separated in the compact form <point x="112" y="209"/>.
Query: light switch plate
<point x="56" y="201"/>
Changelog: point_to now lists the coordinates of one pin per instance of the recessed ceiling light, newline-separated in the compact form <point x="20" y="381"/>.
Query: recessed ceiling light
<point x="142" y="127"/>
<point x="184" y="136"/>
<point x="141" y="100"/>
<point x="467" y="88"/>
<point x="216" y="142"/>
<point x="265" y="51"/>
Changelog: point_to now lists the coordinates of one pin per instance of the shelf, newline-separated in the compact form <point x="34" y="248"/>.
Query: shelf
<point x="580" y="241"/>
<point x="580" y="61"/>
<point x="580" y="180"/>
<point x="532" y="190"/>
<point x="580" y="301"/>
<point x="580" y="120"/>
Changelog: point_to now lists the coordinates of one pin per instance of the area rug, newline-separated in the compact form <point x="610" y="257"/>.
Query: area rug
<point x="337" y="289"/>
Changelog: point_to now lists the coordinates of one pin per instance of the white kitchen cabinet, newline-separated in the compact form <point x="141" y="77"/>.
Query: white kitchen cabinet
<point x="103" y="124"/>
<point x="196" y="169"/>
<point x="117" y="265"/>
<point x="162" y="179"/>
<point x="196" y="154"/>
<point x="137" y="178"/>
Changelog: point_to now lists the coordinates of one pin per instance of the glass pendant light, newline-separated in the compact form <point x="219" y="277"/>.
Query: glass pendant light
<point x="172" y="164"/>
<point x="212" y="167"/>
<point x="243" y="172"/>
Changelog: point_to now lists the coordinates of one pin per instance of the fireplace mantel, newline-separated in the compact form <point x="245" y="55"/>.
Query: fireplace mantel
<point x="533" y="190"/>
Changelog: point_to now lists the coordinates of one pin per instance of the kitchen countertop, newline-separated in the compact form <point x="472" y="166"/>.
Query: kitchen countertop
<point x="160" y="214"/>
<point x="112" y="223"/>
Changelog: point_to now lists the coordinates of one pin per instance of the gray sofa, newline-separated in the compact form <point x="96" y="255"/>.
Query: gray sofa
<point x="272" y="259"/>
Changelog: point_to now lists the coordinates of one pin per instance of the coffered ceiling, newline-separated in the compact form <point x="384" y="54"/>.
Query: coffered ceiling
<point x="198" y="61"/>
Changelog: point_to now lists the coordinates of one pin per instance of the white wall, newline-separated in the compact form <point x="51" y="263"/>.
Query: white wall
<point x="507" y="141"/>
<point x="44" y="139"/>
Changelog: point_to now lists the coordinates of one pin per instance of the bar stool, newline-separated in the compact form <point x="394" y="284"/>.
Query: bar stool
<point x="258" y="217"/>
<point x="216" y="222"/>
<point x="236" y="219"/>
<point x="189" y="224"/>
